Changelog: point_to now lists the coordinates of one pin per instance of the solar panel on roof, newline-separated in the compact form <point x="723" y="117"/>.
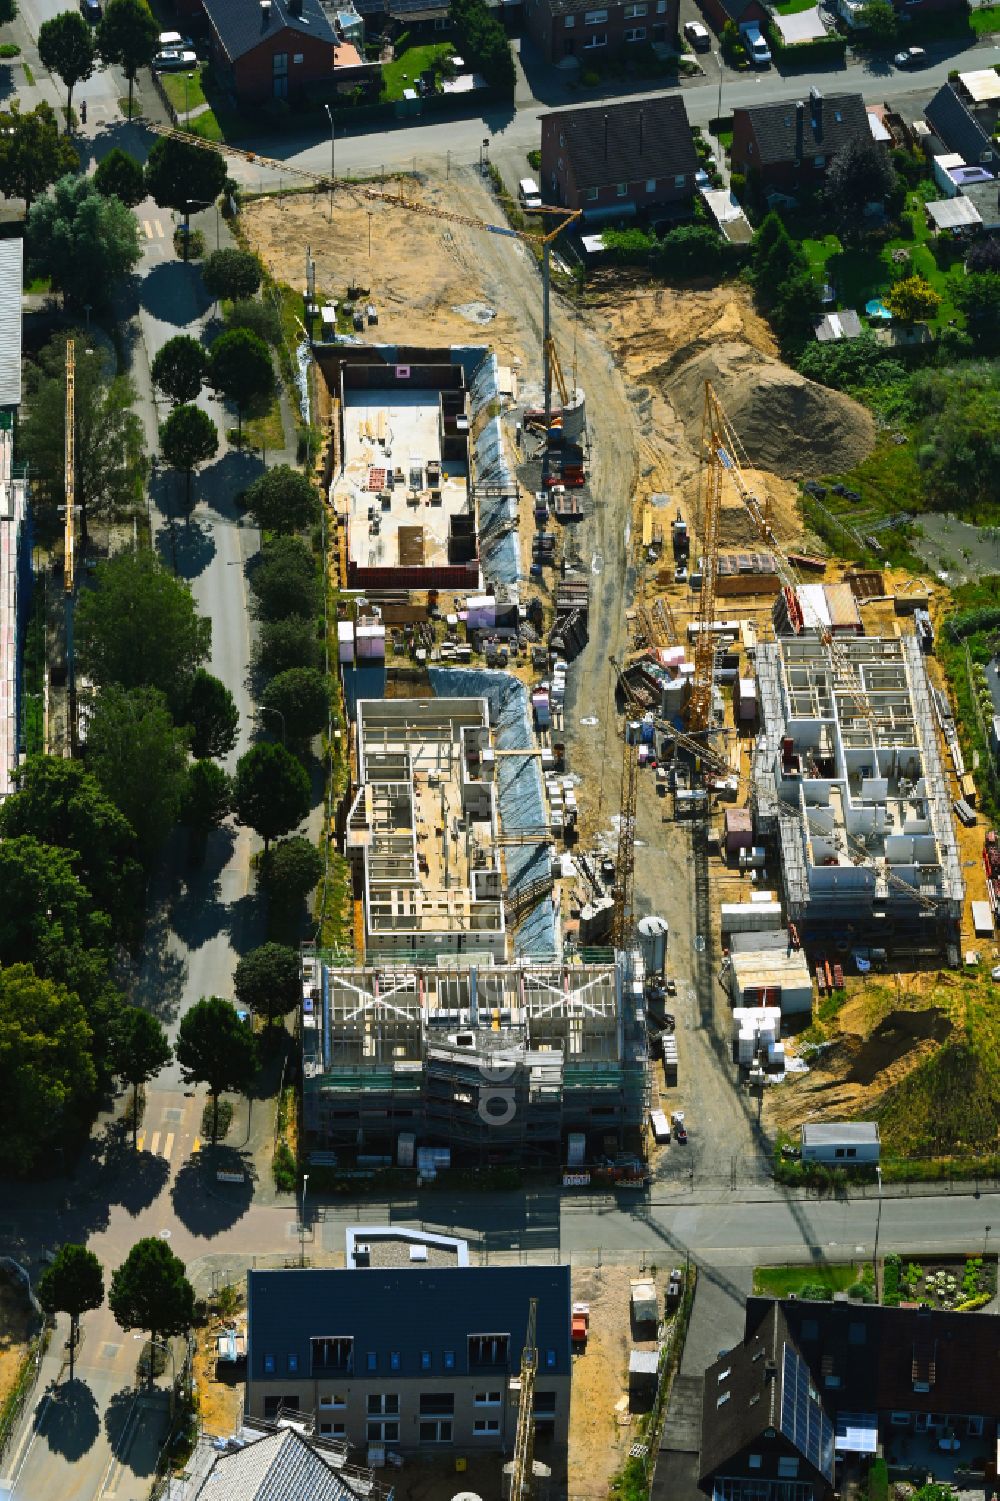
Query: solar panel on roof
<point x="803" y="1419"/>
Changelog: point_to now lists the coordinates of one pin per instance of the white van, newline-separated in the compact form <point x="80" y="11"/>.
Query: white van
<point x="697" y="35"/>
<point x="529" y="193"/>
<point x="757" y="49"/>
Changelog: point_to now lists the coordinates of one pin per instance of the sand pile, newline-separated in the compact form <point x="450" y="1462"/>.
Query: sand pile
<point x="788" y="425"/>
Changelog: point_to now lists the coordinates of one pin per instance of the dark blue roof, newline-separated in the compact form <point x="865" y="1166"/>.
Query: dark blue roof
<point x="956" y="126"/>
<point x="242" y="25"/>
<point x="402" y="1314"/>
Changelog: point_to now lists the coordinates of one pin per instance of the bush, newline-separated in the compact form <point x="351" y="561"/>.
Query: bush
<point x="225" y="1119"/>
<point x="284" y="1169"/>
<point x="969" y="1305"/>
<point x="195" y="243"/>
<point x="860" y="1291"/>
<point x="261" y="318"/>
<point x="878" y="1481"/>
<point x="890" y="1280"/>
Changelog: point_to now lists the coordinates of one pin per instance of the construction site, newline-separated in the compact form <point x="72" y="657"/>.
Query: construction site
<point x="743" y="735"/>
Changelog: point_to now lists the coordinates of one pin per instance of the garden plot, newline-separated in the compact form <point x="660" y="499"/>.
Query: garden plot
<point x="948" y="1283"/>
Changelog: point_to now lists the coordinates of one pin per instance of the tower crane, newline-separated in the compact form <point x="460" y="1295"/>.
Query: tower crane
<point x="69" y="542"/>
<point x="522" y="1468"/>
<point x="398" y="200"/>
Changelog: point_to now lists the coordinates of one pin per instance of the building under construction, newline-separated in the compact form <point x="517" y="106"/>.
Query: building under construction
<point x="848" y="781"/>
<point x="499" y="1063"/>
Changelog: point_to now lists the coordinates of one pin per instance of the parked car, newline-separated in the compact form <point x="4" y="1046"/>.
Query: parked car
<point x="698" y="36"/>
<point x="174" y="59"/>
<point x="757" y="49"/>
<point x="529" y="193"/>
<point x="680" y="1135"/>
<point x="172" y="39"/>
<point x="911" y="57"/>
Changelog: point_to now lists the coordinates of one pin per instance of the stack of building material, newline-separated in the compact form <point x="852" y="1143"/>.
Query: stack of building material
<point x="737" y="830"/>
<point x="670" y="1059"/>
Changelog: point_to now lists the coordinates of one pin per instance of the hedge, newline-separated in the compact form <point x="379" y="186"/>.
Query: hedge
<point x="816" y="54"/>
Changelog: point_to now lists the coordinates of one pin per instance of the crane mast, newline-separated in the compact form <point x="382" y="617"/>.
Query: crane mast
<point x="524" y="1439"/>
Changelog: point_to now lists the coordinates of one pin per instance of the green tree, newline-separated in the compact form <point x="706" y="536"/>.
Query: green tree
<point x="179" y="174"/>
<point x="139" y="1049"/>
<point x="46" y="1066"/>
<point x="127" y="37"/>
<point x="58" y="802"/>
<point x="260" y="317"/>
<point x="797" y="307"/>
<point x="302" y="697"/>
<point x="284" y="582"/>
<point x="208" y="798"/>
<point x="912" y="298"/>
<point x="291" y="642"/>
<point x="283" y="500"/>
<point x="978" y="296"/>
<point x="215" y="1048"/>
<point x="48" y="916"/>
<point x="958" y="434"/>
<point x="119" y="175"/>
<point x="984" y="254"/>
<point x="878" y="20"/>
<point x="84" y="242"/>
<point x="271" y="792"/>
<point x="8" y="11"/>
<point x="33" y="154"/>
<point x="690" y="250"/>
<point x="140" y="758"/>
<point x="774" y="260"/>
<point x="861" y="173"/>
<point x="232" y="274"/>
<point x="211" y="715"/>
<point x="150" y="1289"/>
<point x="188" y="437"/>
<point x="66" y="47"/>
<point x="268" y="981"/>
<point x="294" y="869"/>
<point x="484" y="43"/>
<point x="239" y="367"/>
<point x="73" y="1283"/>
<point x="110" y="442"/>
<point x="178" y="368"/>
<point x="139" y="627"/>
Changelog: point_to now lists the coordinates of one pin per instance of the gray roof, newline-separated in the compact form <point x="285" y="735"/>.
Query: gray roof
<point x="281" y="1466"/>
<point x="628" y="142"/>
<point x="11" y="285"/>
<point x="242" y="25"/>
<point x="828" y="123"/>
<point x="956" y="126"/>
<point x="986" y="197"/>
<point x="832" y="1133"/>
<point x="397" y="1314"/>
<point x="843" y="324"/>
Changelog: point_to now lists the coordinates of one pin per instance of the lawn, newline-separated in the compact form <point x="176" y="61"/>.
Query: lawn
<point x="985" y="19"/>
<point x="791" y="7"/>
<point x="782" y="1281"/>
<point x="405" y="69"/>
<point x="184" y="90"/>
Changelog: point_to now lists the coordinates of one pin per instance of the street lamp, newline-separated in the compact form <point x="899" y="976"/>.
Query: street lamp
<point x="187" y="110"/>
<point x="302" y="1222"/>
<point x="878" y="1220"/>
<point x="263" y="709"/>
<point x="333" y="155"/>
<point x="163" y="1345"/>
<point x="718" y="111"/>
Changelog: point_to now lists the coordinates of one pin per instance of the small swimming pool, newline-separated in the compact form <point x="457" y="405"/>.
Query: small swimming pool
<point x="876" y="308"/>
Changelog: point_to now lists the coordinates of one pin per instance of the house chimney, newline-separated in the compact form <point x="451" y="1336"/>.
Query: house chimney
<point x="640" y="132"/>
<point x="800" y="116"/>
<point x="816" y="102"/>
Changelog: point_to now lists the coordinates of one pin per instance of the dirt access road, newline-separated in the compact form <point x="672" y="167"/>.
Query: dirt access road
<point x="437" y="283"/>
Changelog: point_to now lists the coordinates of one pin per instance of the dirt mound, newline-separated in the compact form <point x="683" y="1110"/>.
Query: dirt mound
<point x="787" y="424"/>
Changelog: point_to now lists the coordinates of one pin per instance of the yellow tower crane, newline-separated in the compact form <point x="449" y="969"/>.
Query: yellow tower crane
<point x="522" y="1467"/>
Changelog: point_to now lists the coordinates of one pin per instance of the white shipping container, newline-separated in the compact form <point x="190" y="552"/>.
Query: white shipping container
<point x="345" y="640"/>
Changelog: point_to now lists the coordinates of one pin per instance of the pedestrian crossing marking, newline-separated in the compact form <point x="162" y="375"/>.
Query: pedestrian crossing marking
<point x="154" y="1143"/>
<point x="140" y="1141"/>
<point x="168" y="1145"/>
<point x="197" y="1145"/>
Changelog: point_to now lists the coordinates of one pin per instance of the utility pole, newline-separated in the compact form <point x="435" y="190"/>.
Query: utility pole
<point x="302" y="1222"/>
<point x="878" y="1224"/>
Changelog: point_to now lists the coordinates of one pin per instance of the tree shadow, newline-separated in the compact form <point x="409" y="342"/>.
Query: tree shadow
<point x="173" y="292"/>
<point x="141" y="1457"/>
<point x="159" y="985"/>
<point x="70" y="1419"/>
<point x="197" y="915"/>
<point x="187" y="546"/>
<point x="139" y="1177"/>
<point x="204" y="1205"/>
<point x="220" y="481"/>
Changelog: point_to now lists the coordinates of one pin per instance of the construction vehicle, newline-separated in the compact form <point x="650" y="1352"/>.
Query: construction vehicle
<point x="580" y="1325"/>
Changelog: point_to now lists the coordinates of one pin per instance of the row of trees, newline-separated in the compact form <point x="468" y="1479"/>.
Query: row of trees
<point x="71" y="49"/>
<point x="150" y="1290"/>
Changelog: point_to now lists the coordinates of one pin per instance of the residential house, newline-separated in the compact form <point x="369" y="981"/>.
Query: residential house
<point x="813" y="1386"/>
<point x="957" y="127"/>
<point x="280" y="49"/>
<point x="578" y="29"/>
<point x="620" y="158"/>
<point x="718" y="12"/>
<point x="412" y="1351"/>
<point x="788" y="146"/>
<point x="265" y="1462"/>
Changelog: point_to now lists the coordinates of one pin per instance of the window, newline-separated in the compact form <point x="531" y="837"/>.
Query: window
<point x="438" y="1432"/>
<point x="569" y="22"/>
<point x="442" y="23"/>
<point x="382" y="1433"/>
<point x="830" y="1380"/>
<point x="487" y="1399"/>
<point x="550" y="1360"/>
<point x="437" y="1404"/>
<point x="372" y="1360"/>
<point x="596" y="39"/>
<point x="788" y="1468"/>
<point x="333" y="1430"/>
<point x="383" y="1404"/>
<point x="394" y="1360"/>
<point x="592" y="195"/>
<point x="661" y="7"/>
<point x="856" y="1333"/>
<point x="268" y="1365"/>
<point x="486" y="1425"/>
<point x="425" y="1360"/>
<point x="279" y="63"/>
<point x="650" y="184"/>
<point x="810" y="1329"/>
<point x="298" y="58"/>
<point x="754" y="1461"/>
<point x="336" y="1400"/>
<point x="622" y="189"/>
<point x="680" y="180"/>
<point x="488" y="1349"/>
<point x="920" y="1422"/>
<point x="636" y="34"/>
<point x="545" y="1403"/>
<point x="449" y="1360"/>
<point x="819" y="161"/>
<point x="975" y="1427"/>
<point x="332" y="1352"/>
<point x="631" y="11"/>
<point x="293" y="1365"/>
<point x="900" y="1420"/>
<point x="594" y="17"/>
